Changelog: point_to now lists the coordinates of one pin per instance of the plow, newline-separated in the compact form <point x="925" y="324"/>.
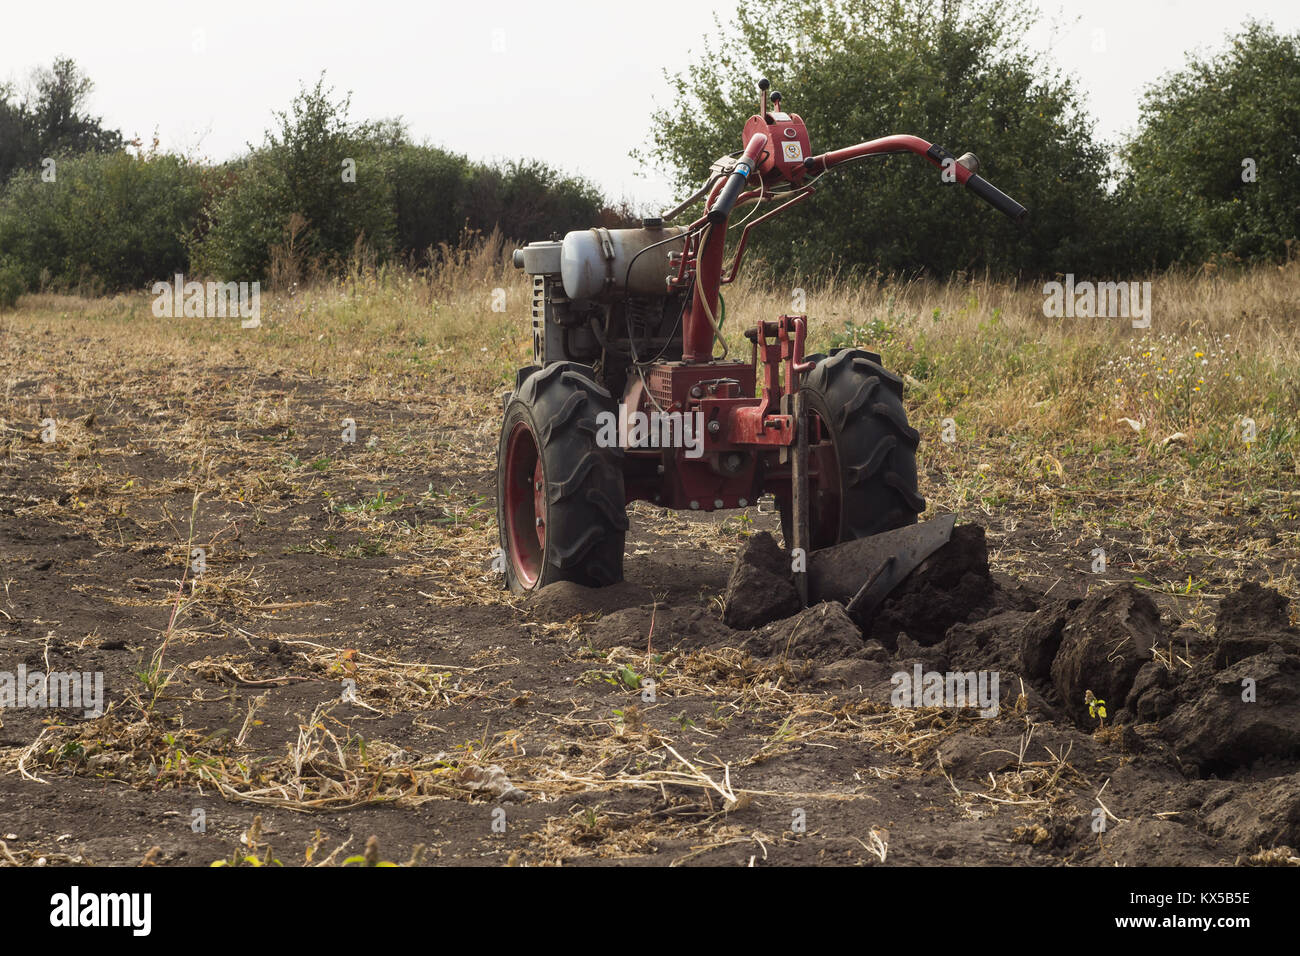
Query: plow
<point x="626" y="399"/>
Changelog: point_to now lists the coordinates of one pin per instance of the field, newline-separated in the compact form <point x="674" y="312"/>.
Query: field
<point x="346" y="682"/>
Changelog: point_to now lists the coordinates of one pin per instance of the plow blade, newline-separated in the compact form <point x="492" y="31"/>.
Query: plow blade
<point x="860" y="574"/>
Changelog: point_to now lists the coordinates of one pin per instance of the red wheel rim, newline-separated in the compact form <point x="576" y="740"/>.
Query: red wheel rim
<point x="525" y="505"/>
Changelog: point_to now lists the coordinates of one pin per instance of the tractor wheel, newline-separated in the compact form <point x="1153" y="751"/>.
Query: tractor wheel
<point x="861" y="451"/>
<point x="560" y="505"/>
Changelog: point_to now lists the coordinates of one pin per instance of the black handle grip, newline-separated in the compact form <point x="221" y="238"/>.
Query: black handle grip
<point x="997" y="198"/>
<point x="730" y="193"/>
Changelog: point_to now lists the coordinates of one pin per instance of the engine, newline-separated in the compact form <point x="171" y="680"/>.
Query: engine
<point x="601" y="297"/>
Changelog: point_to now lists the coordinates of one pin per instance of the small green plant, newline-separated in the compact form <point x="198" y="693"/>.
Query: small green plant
<point x="624" y="677"/>
<point x="470" y="511"/>
<point x="367" y="548"/>
<point x="154" y="680"/>
<point x="1096" y="707"/>
<point x="72" y="752"/>
<point x="370" y="857"/>
<point x="254" y="853"/>
<point x="379" y="503"/>
<point x="1187" y="589"/>
<point x="628" y="718"/>
<point x="741" y="526"/>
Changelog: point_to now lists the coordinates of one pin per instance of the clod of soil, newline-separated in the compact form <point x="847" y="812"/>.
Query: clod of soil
<point x="658" y="627"/>
<point x="965" y="756"/>
<point x="1250" y="620"/>
<point x="1103" y="646"/>
<point x="1250" y="816"/>
<point x="1138" y="842"/>
<point x="1040" y="638"/>
<point x="992" y="642"/>
<point x="761" y="589"/>
<point x="564" y="599"/>
<point x="1153" y="695"/>
<point x="823" y="632"/>
<point x="1219" y="729"/>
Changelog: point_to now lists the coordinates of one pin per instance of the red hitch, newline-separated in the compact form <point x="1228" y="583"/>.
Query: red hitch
<point x="778" y="344"/>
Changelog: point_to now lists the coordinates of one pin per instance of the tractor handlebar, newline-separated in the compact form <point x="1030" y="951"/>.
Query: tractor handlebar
<point x="996" y="198"/>
<point x="963" y="169"/>
<point x="735" y="182"/>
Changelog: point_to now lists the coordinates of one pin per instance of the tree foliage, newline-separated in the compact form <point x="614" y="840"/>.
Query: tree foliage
<point x="51" y="120"/>
<point x="1213" y="171"/>
<point x="365" y="181"/>
<point x="316" y="164"/>
<point x="439" y="195"/>
<point x="107" y="220"/>
<point x="1219" y="149"/>
<point x="859" y="69"/>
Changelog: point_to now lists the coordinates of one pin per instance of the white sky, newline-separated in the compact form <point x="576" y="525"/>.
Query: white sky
<point x="570" y="82"/>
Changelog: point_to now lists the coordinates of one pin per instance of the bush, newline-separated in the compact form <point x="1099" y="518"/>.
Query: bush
<point x="438" y="195"/>
<point x="318" y="188"/>
<point x="530" y="200"/>
<point x="431" y="198"/>
<point x="11" y="284"/>
<point x="317" y="166"/>
<point x="112" y="220"/>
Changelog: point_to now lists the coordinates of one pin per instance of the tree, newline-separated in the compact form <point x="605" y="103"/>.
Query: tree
<point x="529" y="200"/>
<point x="316" y="166"/>
<point x="51" y="120"/>
<point x="859" y="69"/>
<point x="430" y="194"/>
<point x="16" y="146"/>
<point x="1218" y="150"/>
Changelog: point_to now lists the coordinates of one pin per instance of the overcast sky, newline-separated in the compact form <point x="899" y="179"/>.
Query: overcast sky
<point x="570" y="82"/>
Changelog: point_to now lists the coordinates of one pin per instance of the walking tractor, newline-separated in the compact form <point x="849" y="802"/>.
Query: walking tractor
<point x="627" y="400"/>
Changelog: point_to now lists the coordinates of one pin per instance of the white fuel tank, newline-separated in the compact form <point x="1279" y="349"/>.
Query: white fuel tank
<point x="594" y="262"/>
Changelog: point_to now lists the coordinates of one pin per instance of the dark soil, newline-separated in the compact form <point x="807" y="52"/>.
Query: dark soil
<point x="765" y="737"/>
